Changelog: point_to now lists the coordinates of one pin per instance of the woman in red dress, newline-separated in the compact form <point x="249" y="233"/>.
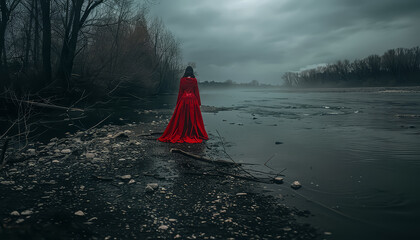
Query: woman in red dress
<point x="186" y="124"/>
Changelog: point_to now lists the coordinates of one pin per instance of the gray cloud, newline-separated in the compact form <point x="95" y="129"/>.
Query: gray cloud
<point x="261" y="39"/>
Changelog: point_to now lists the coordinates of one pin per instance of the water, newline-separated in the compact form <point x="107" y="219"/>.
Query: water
<point x="356" y="154"/>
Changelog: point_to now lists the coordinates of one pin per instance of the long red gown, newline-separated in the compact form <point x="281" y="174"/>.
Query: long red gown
<point x="186" y="124"/>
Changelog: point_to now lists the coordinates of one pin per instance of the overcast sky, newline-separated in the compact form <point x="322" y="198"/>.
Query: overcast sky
<point x="244" y="40"/>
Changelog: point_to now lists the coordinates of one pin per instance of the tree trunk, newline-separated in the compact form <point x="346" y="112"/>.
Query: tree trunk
<point x="4" y="73"/>
<point x="46" y="41"/>
<point x="36" y="35"/>
<point x="28" y="37"/>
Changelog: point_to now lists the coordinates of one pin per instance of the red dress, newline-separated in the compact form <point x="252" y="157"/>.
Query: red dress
<point x="186" y="124"/>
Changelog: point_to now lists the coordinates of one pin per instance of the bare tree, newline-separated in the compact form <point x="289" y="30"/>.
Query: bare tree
<point x="73" y="20"/>
<point x="6" y="8"/>
<point x="46" y="40"/>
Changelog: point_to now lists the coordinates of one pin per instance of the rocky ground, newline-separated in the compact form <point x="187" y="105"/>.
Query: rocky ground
<point x="118" y="182"/>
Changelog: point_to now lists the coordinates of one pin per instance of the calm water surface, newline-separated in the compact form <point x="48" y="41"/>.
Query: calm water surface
<point x="357" y="154"/>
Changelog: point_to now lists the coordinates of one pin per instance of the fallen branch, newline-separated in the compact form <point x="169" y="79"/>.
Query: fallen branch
<point x="52" y="106"/>
<point x="204" y="159"/>
<point x="241" y="177"/>
<point x="151" y="134"/>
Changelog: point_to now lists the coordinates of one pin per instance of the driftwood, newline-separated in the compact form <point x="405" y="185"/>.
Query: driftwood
<point x="204" y="159"/>
<point x="52" y="106"/>
<point x="150" y="134"/>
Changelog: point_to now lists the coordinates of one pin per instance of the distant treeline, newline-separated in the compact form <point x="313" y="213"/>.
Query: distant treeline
<point x="85" y="45"/>
<point x="396" y="67"/>
<point x="230" y="83"/>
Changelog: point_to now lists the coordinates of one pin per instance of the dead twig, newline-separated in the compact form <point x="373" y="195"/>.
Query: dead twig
<point x="265" y="164"/>
<point x="52" y="106"/>
<point x="99" y="122"/>
<point x="204" y="159"/>
<point x="224" y="149"/>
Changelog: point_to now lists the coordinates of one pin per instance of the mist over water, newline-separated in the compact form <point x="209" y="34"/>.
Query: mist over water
<point x="355" y="153"/>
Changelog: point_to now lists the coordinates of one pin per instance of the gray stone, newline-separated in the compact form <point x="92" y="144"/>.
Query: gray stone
<point x="296" y="185"/>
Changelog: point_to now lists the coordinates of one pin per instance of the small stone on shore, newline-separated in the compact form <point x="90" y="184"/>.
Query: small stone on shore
<point x="79" y="213"/>
<point x="278" y="180"/>
<point x="66" y="151"/>
<point x="26" y="213"/>
<point x="296" y="185"/>
<point x="163" y="227"/>
<point x="15" y="213"/>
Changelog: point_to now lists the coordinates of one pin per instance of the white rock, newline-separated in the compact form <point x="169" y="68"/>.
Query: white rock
<point x="15" y="213"/>
<point x="128" y="176"/>
<point x="296" y="185"/>
<point x="163" y="227"/>
<point x="241" y="194"/>
<point x="278" y="180"/>
<point x="26" y="212"/>
<point x="131" y="181"/>
<point x="153" y="185"/>
<point x="7" y="182"/>
<point x="55" y="161"/>
<point x="79" y="213"/>
<point x="66" y="151"/>
<point x="20" y="220"/>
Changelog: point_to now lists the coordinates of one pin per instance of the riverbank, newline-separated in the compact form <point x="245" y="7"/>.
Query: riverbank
<point x="118" y="182"/>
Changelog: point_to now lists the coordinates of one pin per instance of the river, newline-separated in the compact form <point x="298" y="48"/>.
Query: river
<point x="356" y="153"/>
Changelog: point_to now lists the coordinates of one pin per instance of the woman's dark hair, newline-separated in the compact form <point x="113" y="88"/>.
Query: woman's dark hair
<point x="189" y="72"/>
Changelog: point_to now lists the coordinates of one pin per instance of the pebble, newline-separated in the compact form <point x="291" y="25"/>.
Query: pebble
<point x="15" y="213"/>
<point x="296" y="185"/>
<point x="20" y="220"/>
<point x="278" y="180"/>
<point x="79" y="213"/>
<point x="131" y="181"/>
<point x="125" y="177"/>
<point x="279" y="142"/>
<point x="163" y="227"/>
<point x="90" y="155"/>
<point x="66" y="151"/>
<point x="151" y="187"/>
<point x="55" y="161"/>
<point x="7" y="182"/>
<point x="31" y="151"/>
<point x="26" y="213"/>
<point x="241" y="194"/>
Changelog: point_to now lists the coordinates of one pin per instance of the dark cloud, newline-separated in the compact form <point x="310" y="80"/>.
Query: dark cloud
<point x="261" y="39"/>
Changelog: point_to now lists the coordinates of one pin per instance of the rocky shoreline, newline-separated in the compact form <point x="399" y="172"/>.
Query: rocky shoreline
<point x="118" y="182"/>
